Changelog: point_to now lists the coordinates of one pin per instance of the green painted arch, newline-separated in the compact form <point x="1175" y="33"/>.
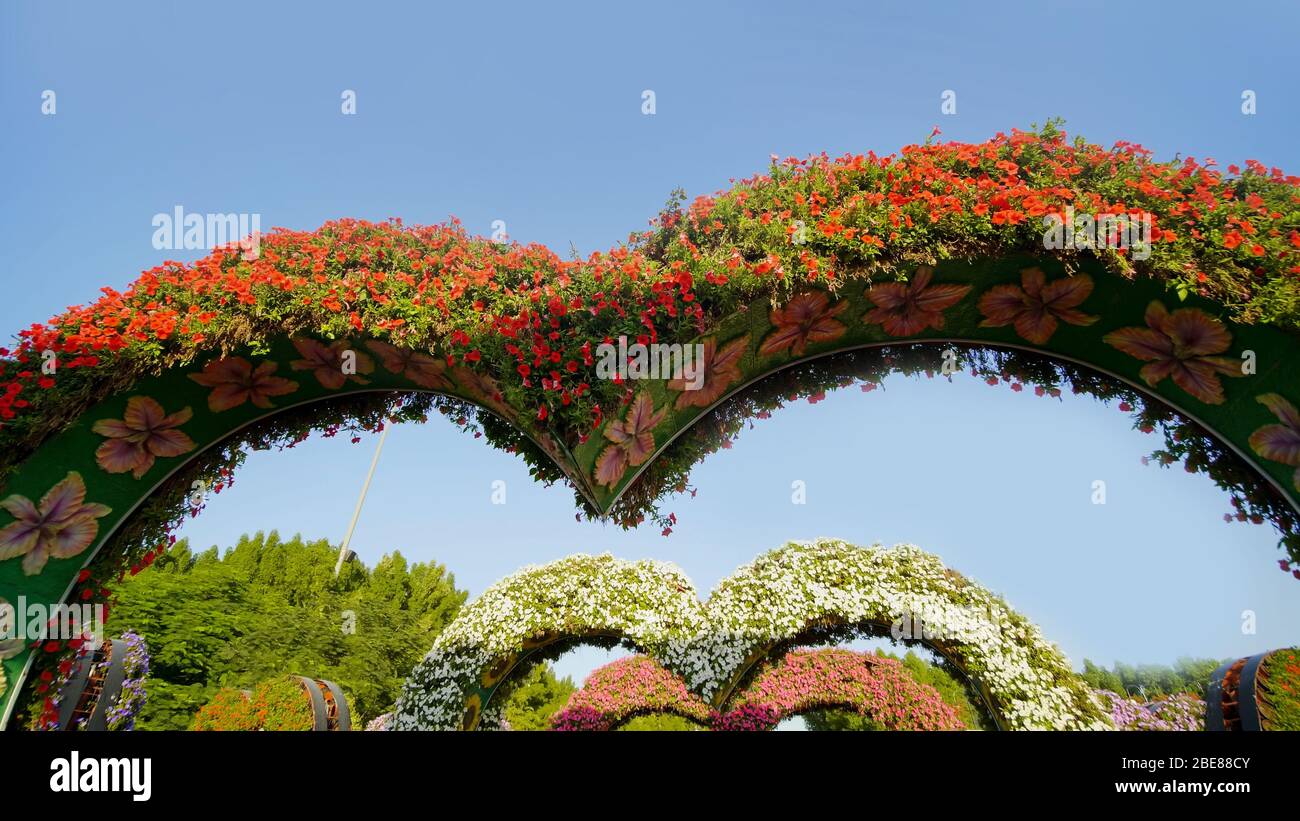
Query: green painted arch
<point x="653" y="609"/>
<point x="940" y="244"/>
<point x="192" y="408"/>
<point x="1111" y="317"/>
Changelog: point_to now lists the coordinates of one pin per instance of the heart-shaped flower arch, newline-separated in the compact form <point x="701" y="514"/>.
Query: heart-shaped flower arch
<point x="784" y="597"/>
<point x="117" y="417"/>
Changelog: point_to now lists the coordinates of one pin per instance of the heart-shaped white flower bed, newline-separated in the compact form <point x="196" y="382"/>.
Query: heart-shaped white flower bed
<point x="764" y="607"/>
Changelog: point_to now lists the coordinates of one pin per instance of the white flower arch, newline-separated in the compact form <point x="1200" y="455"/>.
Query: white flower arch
<point x="763" y="606"/>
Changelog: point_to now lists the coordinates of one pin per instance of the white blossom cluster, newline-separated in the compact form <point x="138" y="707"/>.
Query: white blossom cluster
<point x="650" y="603"/>
<point x="776" y="598"/>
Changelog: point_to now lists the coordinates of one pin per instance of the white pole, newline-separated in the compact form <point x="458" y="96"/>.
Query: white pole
<point x="361" y="500"/>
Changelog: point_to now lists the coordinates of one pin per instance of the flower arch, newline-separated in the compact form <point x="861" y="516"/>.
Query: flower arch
<point x="110" y="412"/>
<point x="873" y="686"/>
<point x="799" y="681"/>
<point x="626" y="688"/>
<point x="784" y="598"/>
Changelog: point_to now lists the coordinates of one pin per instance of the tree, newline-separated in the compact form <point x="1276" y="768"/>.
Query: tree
<point x="534" y="698"/>
<point x="268" y="607"/>
<point x="1187" y="675"/>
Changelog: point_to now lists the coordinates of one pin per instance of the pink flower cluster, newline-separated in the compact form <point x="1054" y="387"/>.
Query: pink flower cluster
<point x="625" y="688"/>
<point x="1179" y="712"/>
<point x="874" y="686"/>
<point x="803" y="680"/>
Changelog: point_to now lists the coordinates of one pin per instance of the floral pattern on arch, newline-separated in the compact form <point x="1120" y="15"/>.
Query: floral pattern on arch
<point x="144" y="434"/>
<point x="234" y="380"/>
<point x="1036" y="306"/>
<point x="326" y="361"/>
<point x="1183" y="345"/>
<point x="421" y="368"/>
<point x="721" y="369"/>
<point x="1279" y="443"/>
<point x="61" y="526"/>
<point x="807" y="319"/>
<point x="633" y="440"/>
<point x="907" y="308"/>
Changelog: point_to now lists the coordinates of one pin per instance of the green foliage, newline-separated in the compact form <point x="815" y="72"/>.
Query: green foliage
<point x="535" y="697"/>
<point x="951" y="686"/>
<point x="1188" y="675"/>
<point x="661" y="722"/>
<point x="266" y="608"/>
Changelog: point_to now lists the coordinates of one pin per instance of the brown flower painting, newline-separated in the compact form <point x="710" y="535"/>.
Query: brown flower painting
<point x="1279" y="443"/>
<point x="807" y="319"/>
<point x="144" y="433"/>
<point x="1183" y="345"/>
<point x="1036" y="306"/>
<point x="906" y="308"/>
<point x="61" y="526"/>
<point x="633" y="440"/>
<point x="721" y="371"/>
<point x="326" y="362"/>
<point x="421" y="368"/>
<point x="235" y="381"/>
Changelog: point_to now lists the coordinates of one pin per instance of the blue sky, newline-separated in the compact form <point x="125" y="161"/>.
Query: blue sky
<point x="532" y="115"/>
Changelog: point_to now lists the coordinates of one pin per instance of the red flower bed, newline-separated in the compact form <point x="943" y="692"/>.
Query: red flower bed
<point x="530" y="319"/>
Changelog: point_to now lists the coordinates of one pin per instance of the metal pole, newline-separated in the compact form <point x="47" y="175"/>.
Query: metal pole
<point x="361" y="500"/>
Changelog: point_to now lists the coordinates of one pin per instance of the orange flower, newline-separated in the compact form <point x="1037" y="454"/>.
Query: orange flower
<point x="1182" y="345"/>
<point x="633" y="439"/>
<point x="326" y="362"/>
<point x="416" y="366"/>
<point x="807" y="319"/>
<point x="721" y="369"/>
<point x="907" y="308"/>
<point x="1035" y="309"/>
<point x="144" y="433"/>
<point x="235" y="381"/>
